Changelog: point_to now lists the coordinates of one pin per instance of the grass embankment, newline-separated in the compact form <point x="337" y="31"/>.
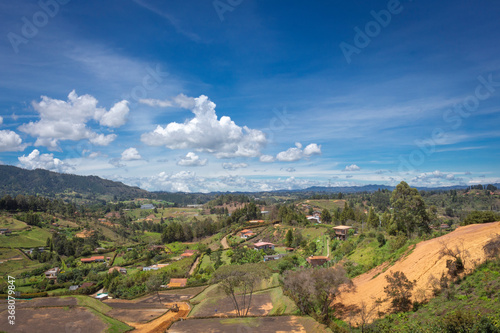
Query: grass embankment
<point x="100" y="309"/>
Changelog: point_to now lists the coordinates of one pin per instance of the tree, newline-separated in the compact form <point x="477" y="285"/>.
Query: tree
<point x="289" y="238"/>
<point x="373" y="219"/>
<point x="399" y="290"/>
<point x="314" y="289"/>
<point x="241" y="280"/>
<point x="326" y="217"/>
<point x="153" y="284"/>
<point x="410" y="212"/>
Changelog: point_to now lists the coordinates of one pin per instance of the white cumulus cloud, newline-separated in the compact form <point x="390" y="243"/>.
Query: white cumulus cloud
<point x="67" y="120"/>
<point x="266" y="158"/>
<point x="296" y="153"/>
<point x="11" y="141"/>
<point x="352" y="167"/>
<point x="1" y="120"/>
<point x="205" y="132"/>
<point x="191" y="159"/>
<point x="131" y="154"/>
<point x="35" y="160"/>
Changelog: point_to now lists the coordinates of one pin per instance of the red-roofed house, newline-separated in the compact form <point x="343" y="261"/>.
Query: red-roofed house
<point x="263" y="246"/>
<point x="93" y="259"/>
<point x="246" y="233"/>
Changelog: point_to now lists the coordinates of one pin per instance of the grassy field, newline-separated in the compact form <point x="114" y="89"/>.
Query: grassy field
<point x="26" y="238"/>
<point x="11" y="223"/>
<point x="281" y="304"/>
<point x="326" y="204"/>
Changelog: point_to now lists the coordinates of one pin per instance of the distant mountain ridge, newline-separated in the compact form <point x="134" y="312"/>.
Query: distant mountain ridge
<point x="14" y="180"/>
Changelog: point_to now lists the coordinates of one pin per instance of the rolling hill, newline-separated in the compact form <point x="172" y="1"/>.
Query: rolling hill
<point x="14" y="180"/>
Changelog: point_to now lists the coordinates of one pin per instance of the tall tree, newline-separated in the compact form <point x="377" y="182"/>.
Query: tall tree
<point x="289" y="238"/>
<point x="326" y="217"/>
<point x="410" y="212"/>
<point x="373" y="219"/>
<point x="239" y="281"/>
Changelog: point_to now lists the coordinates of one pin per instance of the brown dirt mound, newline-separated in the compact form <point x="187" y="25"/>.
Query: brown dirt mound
<point x="424" y="262"/>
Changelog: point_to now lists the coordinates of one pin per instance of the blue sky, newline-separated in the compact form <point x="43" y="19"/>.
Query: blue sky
<point x="252" y="95"/>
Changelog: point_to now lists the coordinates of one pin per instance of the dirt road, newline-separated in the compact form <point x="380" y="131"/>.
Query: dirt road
<point x="424" y="262"/>
<point x="223" y="241"/>
<point x="191" y="271"/>
<point x="159" y="325"/>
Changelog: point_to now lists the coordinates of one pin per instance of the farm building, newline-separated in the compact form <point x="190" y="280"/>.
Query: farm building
<point x="147" y="206"/>
<point x="263" y="246"/>
<point x="313" y="219"/>
<point x="341" y="231"/>
<point x="317" y="260"/>
<point x="247" y="233"/>
<point x="117" y="268"/>
<point x="93" y="259"/>
<point x="256" y="221"/>
<point x="154" y="267"/>
<point x="51" y="274"/>
<point x="5" y="231"/>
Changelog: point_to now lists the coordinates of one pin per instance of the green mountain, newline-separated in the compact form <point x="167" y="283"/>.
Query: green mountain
<point x="14" y="180"/>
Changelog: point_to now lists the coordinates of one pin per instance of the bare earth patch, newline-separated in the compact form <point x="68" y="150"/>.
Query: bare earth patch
<point x="424" y="262"/>
<point x="74" y="320"/>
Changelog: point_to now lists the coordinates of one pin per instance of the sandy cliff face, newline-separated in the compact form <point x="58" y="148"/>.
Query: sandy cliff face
<point x="422" y="263"/>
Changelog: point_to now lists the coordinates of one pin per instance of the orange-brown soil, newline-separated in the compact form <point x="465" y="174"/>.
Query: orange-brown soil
<point x="423" y="263"/>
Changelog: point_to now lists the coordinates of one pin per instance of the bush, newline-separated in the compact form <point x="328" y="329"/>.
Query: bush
<point x="477" y="217"/>
<point x="381" y="240"/>
<point x="458" y="321"/>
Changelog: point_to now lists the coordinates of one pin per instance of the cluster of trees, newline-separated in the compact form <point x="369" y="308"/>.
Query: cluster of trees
<point x="248" y="212"/>
<point x="22" y="203"/>
<point x="75" y="246"/>
<point x="186" y="232"/>
<point x="290" y="214"/>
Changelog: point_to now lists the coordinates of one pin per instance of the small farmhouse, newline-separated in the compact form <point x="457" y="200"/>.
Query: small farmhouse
<point x="341" y="231"/>
<point x="317" y="260"/>
<point x="51" y="274"/>
<point x="263" y="246"/>
<point x="117" y="268"/>
<point x="247" y="233"/>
